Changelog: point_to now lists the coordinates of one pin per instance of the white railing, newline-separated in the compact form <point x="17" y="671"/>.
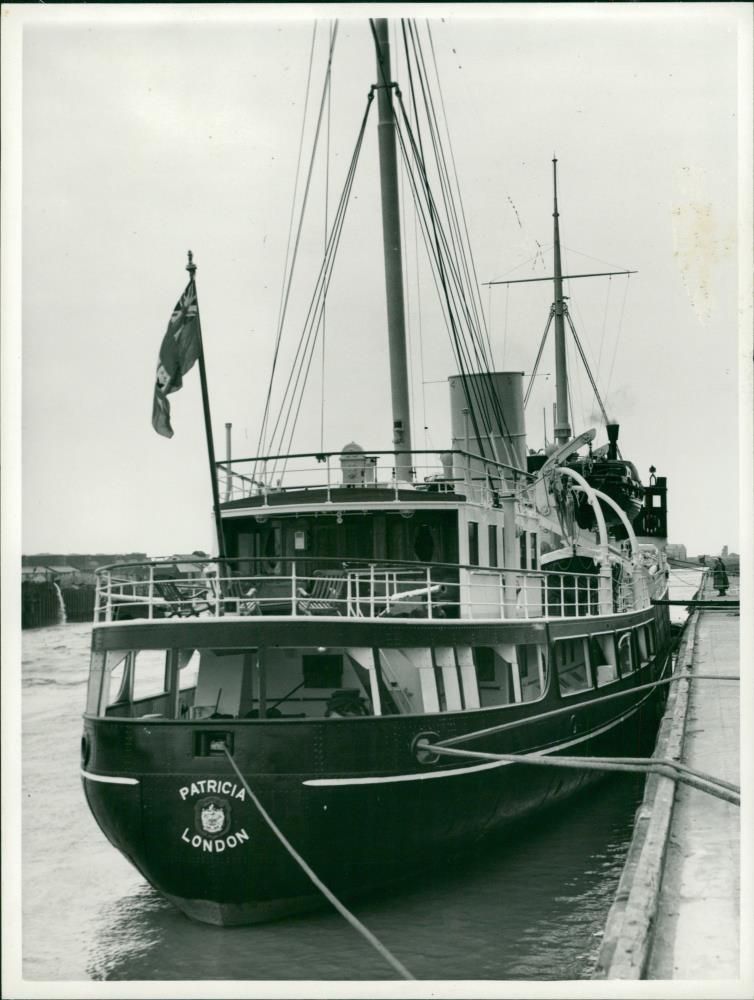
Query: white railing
<point x="236" y="587"/>
<point x="270" y="476"/>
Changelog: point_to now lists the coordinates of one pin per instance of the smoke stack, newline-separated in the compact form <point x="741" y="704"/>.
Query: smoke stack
<point x="612" y="437"/>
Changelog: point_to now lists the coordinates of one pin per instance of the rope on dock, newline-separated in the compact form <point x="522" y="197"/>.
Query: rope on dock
<point x="327" y="893"/>
<point x="668" y="768"/>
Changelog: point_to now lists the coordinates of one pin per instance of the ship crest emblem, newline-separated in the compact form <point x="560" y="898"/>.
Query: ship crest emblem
<point x="212" y="816"/>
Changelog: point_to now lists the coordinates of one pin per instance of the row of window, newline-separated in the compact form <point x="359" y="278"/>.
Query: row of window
<point x="527" y="546"/>
<point x="593" y="661"/>
<point x="504" y="674"/>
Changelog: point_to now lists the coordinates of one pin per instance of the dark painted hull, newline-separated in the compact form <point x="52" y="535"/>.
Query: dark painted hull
<point x="349" y="794"/>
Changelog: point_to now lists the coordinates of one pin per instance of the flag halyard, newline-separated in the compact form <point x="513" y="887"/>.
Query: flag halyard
<point x="178" y="353"/>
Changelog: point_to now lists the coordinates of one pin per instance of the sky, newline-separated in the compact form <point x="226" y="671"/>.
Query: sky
<point x="150" y="130"/>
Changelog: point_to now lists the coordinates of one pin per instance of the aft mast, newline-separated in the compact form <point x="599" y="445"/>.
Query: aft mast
<point x="391" y="235"/>
<point x="562" y="424"/>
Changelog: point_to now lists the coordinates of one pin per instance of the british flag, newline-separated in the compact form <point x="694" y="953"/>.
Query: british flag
<point x="178" y="352"/>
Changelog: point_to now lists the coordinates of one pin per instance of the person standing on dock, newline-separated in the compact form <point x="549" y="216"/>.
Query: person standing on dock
<point x="720" y="577"/>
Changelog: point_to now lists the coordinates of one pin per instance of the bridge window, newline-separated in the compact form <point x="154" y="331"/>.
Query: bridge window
<point x="492" y="544"/>
<point x="473" y="543"/>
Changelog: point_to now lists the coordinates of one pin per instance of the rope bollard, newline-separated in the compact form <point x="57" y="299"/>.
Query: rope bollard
<point x="327" y="893"/>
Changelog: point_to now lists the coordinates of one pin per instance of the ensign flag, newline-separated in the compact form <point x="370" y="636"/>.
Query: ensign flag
<point x="179" y="351"/>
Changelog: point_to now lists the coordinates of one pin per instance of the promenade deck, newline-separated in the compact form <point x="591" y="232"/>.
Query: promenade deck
<point x="676" y="915"/>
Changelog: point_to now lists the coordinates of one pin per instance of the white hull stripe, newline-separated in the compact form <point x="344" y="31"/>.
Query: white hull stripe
<point x="457" y="771"/>
<point x="109" y="779"/>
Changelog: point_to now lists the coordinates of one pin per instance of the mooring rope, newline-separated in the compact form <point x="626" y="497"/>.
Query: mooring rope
<point x="327" y="893"/>
<point x="668" y="768"/>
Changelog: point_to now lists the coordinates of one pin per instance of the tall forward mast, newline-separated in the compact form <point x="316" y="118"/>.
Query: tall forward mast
<point x="391" y="235"/>
<point x="562" y="424"/>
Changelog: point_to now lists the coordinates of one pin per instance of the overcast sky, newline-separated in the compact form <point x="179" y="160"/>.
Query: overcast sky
<point x="148" y="131"/>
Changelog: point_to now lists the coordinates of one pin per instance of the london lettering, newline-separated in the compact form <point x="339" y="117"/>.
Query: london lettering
<point x="215" y="845"/>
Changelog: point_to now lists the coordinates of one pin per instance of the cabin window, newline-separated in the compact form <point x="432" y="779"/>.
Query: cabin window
<point x="497" y="675"/>
<point x="522" y="549"/>
<point x="642" y="647"/>
<point x="150" y="678"/>
<point x="484" y="662"/>
<point x="572" y="664"/>
<point x="603" y="658"/>
<point x="625" y="653"/>
<point x="322" y="670"/>
<point x="473" y="543"/>
<point x="533" y="549"/>
<point x="532" y="669"/>
<point x="117" y="678"/>
<point x="651" y="638"/>
<point x="492" y="544"/>
<point x="188" y="666"/>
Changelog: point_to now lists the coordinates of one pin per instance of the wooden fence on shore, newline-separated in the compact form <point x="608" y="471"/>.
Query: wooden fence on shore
<point x="41" y="604"/>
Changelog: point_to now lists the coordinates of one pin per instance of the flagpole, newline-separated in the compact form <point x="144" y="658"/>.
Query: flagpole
<point x="191" y="268"/>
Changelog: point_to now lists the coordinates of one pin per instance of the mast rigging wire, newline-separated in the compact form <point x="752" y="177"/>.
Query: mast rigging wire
<point x="283" y="294"/>
<point x="586" y="365"/>
<point x="442" y="254"/>
<point x="431" y="239"/>
<point x="261" y="448"/>
<point x="617" y="339"/>
<point x="294" y="389"/>
<point x="327" y="219"/>
<point x="475" y="285"/>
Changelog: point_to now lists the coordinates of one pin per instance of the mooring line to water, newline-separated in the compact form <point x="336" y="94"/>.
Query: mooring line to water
<point x="516" y="723"/>
<point x="327" y="893"/>
<point x="669" y="769"/>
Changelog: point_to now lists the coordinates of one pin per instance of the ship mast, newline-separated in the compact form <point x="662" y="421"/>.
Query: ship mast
<point x="562" y="425"/>
<point x="391" y="236"/>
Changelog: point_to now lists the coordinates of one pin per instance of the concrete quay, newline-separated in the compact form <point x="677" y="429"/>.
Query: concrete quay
<point x="676" y="914"/>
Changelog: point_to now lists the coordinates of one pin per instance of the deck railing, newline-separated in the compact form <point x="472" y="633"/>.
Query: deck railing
<point x="264" y="479"/>
<point x="212" y="588"/>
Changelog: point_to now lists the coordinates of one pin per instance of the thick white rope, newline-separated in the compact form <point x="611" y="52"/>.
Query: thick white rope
<point x="668" y="768"/>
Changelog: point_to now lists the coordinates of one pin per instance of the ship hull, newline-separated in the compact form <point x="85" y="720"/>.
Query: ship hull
<point x="350" y="795"/>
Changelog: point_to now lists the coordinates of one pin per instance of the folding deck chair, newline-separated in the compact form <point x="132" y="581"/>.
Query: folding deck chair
<point x="326" y="595"/>
<point x="182" y="600"/>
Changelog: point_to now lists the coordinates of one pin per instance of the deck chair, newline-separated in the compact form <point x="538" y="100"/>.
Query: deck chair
<point x="182" y="600"/>
<point x="326" y="595"/>
<point x="238" y="598"/>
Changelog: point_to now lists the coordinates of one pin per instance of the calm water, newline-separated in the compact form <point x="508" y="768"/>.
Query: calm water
<point x="532" y="908"/>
